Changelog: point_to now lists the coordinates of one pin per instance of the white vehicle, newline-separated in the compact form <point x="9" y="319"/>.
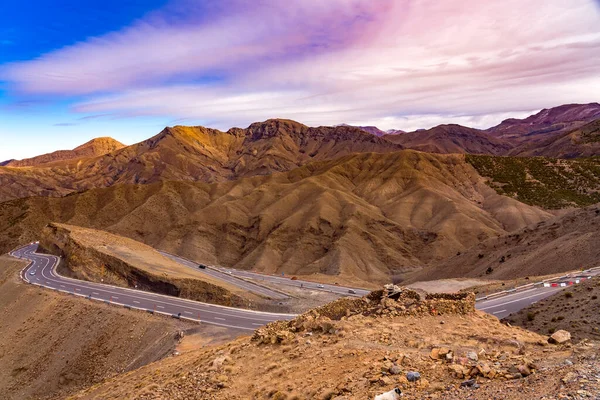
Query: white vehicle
<point x="320" y="286"/>
<point x="31" y="272"/>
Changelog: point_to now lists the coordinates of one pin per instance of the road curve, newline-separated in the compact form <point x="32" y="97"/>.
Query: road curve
<point x="229" y="278"/>
<point x="238" y="278"/>
<point x="510" y="303"/>
<point x="42" y="272"/>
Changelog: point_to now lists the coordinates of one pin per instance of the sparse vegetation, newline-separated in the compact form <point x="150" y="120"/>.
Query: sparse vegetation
<point x="545" y="182"/>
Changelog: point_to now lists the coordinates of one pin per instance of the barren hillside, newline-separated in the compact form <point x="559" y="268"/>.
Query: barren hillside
<point x="194" y="154"/>
<point x="574" y="309"/>
<point x="446" y="139"/>
<point x="364" y="217"/>
<point x="563" y="243"/>
<point x="356" y="349"/>
<point x="93" y="148"/>
<point x="99" y="256"/>
<point x="580" y="142"/>
<point x="547" y="123"/>
<point x="53" y="344"/>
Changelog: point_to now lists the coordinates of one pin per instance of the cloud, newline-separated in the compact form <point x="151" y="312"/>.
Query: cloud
<point x="326" y="62"/>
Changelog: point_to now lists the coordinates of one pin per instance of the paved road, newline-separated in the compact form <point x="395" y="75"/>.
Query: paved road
<point x="231" y="275"/>
<point x="42" y="271"/>
<point x="229" y="278"/>
<point x="510" y="303"/>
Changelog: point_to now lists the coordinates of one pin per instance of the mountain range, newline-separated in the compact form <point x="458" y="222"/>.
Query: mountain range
<point x="339" y="203"/>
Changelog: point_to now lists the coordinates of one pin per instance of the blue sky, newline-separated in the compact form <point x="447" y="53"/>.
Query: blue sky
<point x="73" y="70"/>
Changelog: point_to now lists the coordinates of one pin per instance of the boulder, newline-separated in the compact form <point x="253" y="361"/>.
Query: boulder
<point x="560" y="337"/>
<point x="413" y="376"/>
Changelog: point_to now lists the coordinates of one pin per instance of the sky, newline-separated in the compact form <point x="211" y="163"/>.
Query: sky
<point x="73" y="70"/>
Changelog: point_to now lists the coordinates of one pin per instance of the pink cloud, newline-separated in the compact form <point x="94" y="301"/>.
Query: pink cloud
<point x="326" y="62"/>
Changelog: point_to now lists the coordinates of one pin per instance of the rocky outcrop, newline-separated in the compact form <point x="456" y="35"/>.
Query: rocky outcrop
<point x="393" y="303"/>
<point x="86" y="262"/>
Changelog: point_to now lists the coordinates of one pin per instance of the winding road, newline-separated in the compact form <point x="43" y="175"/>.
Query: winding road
<point x="42" y="272"/>
<point x="236" y="277"/>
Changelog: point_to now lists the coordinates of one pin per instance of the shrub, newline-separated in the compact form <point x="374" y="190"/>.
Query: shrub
<point x="568" y="295"/>
<point x="530" y="316"/>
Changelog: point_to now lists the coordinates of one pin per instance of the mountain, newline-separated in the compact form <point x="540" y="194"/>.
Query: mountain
<point x="93" y="148"/>
<point x="548" y="122"/>
<point x="447" y="139"/>
<point x="360" y="218"/>
<point x="580" y="142"/>
<point x="563" y="243"/>
<point x="195" y="154"/>
<point x="394" y="132"/>
<point x="373" y="130"/>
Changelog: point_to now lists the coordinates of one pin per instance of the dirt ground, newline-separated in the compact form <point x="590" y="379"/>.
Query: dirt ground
<point x="575" y="309"/>
<point x="356" y="360"/>
<point x="52" y="344"/>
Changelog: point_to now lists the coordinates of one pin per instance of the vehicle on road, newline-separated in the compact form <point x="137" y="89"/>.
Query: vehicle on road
<point x="320" y="286"/>
<point x="352" y="291"/>
<point x="31" y="272"/>
<point x="201" y="266"/>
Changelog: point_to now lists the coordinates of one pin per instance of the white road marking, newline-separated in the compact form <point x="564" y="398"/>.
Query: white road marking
<point x="256" y="324"/>
<point x="159" y="307"/>
<point x="516" y="300"/>
<point x="220" y="319"/>
<point x="95" y="293"/>
<point x="136" y="302"/>
<point x="188" y="312"/>
<point x="498" y="312"/>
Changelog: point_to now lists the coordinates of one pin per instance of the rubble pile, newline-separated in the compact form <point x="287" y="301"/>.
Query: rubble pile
<point x="393" y="301"/>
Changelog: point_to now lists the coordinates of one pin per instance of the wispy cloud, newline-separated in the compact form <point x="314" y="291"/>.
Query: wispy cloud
<point x="325" y="62"/>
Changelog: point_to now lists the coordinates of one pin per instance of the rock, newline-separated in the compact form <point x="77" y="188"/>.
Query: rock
<point x="457" y="370"/>
<point x="423" y="384"/>
<point x="413" y="376"/>
<point x="524" y="370"/>
<point x="435" y="353"/>
<point x="468" y="383"/>
<point x="559" y="337"/>
<point x="471" y="355"/>
<point x="395" y="370"/>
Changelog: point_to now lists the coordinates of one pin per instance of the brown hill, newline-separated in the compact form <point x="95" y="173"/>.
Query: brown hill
<point x="93" y="148"/>
<point x="548" y="122"/>
<point x="580" y="142"/>
<point x="575" y="310"/>
<point x="195" y="154"/>
<point x="363" y="217"/>
<point x="447" y="139"/>
<point x="335" y="352"/>
<point x="560" y="244"/>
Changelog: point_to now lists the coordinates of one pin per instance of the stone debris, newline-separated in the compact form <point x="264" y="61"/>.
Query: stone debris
<point x="560" y="337"/>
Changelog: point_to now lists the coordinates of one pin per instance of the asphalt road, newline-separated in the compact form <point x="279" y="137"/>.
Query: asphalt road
<point x="229" y="278"/>
<point x="232" y="276"/>
<point x="510" y="303"/>
<point x="42" y="271"/>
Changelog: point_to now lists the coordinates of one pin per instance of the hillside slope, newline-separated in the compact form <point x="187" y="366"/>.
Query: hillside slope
<point x="446" y="139"/>
<point x="363" y="217"/>
<point x="581" y="142"/>
<point x="546" y="123"/>
<point x="335" y="352"/>
<point x="574" y="310"/>
<point x="564" y="243"/>
<point x="52" y="344"/>
<point x="93" y="148"/>
<point x="195" y="154"/>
